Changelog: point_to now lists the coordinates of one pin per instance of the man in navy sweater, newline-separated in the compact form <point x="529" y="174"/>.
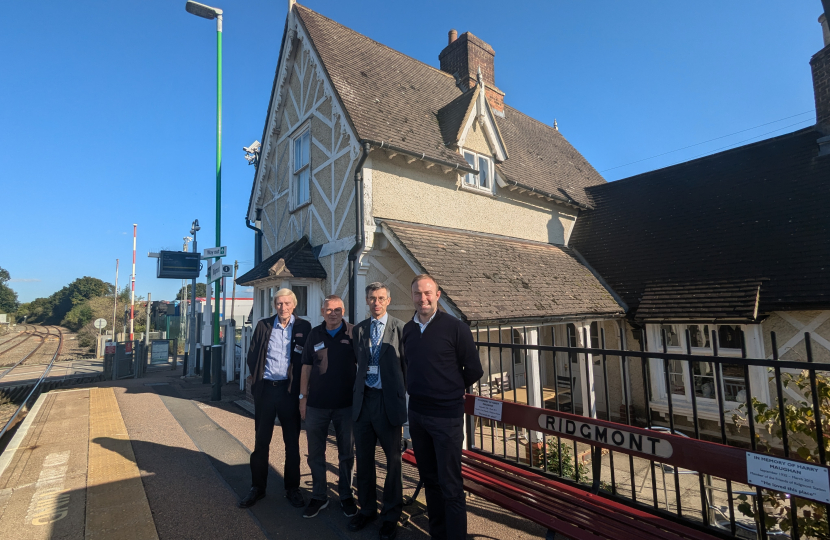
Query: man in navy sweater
<point x="441" y="361"/>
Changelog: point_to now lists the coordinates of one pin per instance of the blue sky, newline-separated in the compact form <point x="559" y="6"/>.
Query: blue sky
<point x="108" y="112"/>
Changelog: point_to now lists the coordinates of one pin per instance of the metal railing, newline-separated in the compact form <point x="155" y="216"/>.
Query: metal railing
<point x="794" y="421"/>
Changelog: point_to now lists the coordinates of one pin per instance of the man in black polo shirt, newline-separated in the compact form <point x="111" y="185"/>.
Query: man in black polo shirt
<point x="328" y="375"/>
<point x="441" y="362"/>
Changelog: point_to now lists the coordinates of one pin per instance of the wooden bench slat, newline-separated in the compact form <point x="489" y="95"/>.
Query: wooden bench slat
<point x="599" y="503"/>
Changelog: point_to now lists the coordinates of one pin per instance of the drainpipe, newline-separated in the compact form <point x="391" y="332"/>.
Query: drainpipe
<point x="258" y="239"/>
<point x="359" y="231"/>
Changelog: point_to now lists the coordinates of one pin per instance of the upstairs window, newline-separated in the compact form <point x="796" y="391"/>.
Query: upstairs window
<point x="484" y="179"/>
<point x="301" y="168"/>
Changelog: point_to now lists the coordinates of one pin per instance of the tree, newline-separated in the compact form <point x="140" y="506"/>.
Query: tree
<point x="201" y="291"/>
<point x="8" y="298"/>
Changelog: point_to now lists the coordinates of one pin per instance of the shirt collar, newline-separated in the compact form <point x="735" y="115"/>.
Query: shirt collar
<point x="424" y="325"/>
<point x="278" y="325"/>
<point x="383" y="319"/>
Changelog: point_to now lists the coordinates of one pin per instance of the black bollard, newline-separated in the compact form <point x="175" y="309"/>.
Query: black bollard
<point x="184" y="364"/>
<point x="216" y="365"/>
<point x="206" y="363"/>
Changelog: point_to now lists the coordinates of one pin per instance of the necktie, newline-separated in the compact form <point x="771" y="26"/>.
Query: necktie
<point x="372" y="378"/>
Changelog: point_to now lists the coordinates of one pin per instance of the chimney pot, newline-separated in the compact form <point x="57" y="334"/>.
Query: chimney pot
<point x="825" y="30"/>
<point x="453" y="36"/>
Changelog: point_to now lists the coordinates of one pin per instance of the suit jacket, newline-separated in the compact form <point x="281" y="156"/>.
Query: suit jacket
<point x="392" y="368"/>
<point x="259" y="349"/>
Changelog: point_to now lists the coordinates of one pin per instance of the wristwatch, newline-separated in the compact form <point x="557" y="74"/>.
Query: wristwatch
<point x="302" y="396"/>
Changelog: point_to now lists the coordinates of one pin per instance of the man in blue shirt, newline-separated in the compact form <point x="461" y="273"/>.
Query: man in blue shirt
<point x="275" y="363"/>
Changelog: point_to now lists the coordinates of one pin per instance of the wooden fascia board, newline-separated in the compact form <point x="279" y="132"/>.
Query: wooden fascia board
<point x="461" y="137"/>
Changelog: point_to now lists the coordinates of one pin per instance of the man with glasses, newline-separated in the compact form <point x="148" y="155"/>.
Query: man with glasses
<point x="379" y="411"/>
<point x="326" y="398"/>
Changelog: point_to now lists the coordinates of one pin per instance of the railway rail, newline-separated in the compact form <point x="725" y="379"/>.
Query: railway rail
<point x="11" y="337"/>
<point x="38" y="385"/>
<point x="36" y="333"/>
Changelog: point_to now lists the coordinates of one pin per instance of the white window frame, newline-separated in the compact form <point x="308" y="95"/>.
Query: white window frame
<point x="473" y="181"/>
<point x="293" y="195"/>
<point x="707" y="407"/>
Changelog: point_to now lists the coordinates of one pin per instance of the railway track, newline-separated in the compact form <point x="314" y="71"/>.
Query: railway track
<point x="22" y="395"/>
<point x="12" y="336"/>
<point x="35" y="333"/>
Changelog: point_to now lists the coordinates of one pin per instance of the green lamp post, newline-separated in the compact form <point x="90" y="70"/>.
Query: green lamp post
<point x="207" y="12"/>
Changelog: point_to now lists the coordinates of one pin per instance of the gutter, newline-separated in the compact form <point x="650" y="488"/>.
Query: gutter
<point x="568" y="201"/>
<point x="421" y="156"/>
<point x="258" y="239"/>
<point x="359" y="231"/>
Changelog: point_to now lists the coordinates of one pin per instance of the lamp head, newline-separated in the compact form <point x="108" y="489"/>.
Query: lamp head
<point x="201" y="10"/>
<point x="195" y="228"/>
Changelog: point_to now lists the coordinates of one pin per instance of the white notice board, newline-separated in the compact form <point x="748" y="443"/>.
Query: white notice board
<point x="159" y="351"/>
<point x="793" y="477"/>
<point x="488" y="408"/>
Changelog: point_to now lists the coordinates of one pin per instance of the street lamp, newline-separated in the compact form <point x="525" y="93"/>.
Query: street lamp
<point x="210" y="13"/>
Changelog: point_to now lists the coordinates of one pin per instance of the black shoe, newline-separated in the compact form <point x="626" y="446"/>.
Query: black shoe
<point x="388" y="530"/>
<point x="360" y="521"/>
<point x="252" y="497"/>
<point x="295" y="498"/>
<point x="314" y="507"/>
<point x="349" y="507"/>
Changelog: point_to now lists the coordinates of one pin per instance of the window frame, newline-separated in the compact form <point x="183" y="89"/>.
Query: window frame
<point x="293" y="195"/>
<point x="707" y="406"/>
<point x="473" y="181"/>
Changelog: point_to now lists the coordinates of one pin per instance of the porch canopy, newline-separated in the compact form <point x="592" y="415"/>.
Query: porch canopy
<point x="725" y="301"/>
<point x="491" y="279"/>
<point x="296" y="260"/>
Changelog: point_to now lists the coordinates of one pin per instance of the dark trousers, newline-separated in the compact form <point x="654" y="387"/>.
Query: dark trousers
<point x="371" y="427"/>
<point x="275" y="402"/>
<point x="437" y="445"/>
<point x="317" y="431"/>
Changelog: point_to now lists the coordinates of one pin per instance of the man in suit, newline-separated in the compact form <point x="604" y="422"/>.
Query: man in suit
<point x="379" y="411"/>
<point x="441" y="361"/>
<point x="275" y="363"/>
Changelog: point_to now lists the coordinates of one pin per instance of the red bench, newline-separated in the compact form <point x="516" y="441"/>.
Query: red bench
<point x="577" y="513"/>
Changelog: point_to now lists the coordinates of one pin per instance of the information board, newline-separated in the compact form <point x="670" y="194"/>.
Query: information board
<point x="488" y="408"/>
<point x="788" y="476"/>
<point x="159" y="351"/>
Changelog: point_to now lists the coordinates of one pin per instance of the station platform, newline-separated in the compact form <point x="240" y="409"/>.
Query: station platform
<point x="153" y="458"/>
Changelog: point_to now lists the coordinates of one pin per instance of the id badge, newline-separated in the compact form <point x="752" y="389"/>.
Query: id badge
<point x="373" y="370"/>
<point x="319" y="347"/>
<point x="298" y="349"/>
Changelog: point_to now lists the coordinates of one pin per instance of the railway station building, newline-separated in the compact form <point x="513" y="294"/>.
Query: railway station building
<point x="376" y="167"/>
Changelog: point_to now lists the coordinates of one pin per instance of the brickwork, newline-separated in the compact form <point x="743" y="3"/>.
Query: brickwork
<point x="463" y="58"/>
<point x="821" y="85"/>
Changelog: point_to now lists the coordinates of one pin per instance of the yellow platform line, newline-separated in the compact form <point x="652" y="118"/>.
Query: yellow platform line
<point x="117" y="506"/>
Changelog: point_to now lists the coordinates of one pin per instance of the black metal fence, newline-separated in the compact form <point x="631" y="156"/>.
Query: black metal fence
<point x="724" y="402"/>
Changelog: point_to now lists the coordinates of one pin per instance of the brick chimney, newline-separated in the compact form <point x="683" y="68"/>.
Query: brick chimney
<point x="820" y="64"/>
<point x="463" y="57"/>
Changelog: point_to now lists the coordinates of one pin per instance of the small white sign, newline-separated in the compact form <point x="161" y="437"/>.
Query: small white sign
<point x="215" y="271"/>
<point x="793" y="477"/>
<point x="100" y="323"/>
<point x="210" y="253"/>
<point x="488" y="408"/>
<point x="227" y="270"/>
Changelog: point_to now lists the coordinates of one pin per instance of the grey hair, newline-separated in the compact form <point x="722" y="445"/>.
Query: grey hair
<point x="376" y="286"/>
<point x="285" y="292"/>
<point x="332" y="298"/>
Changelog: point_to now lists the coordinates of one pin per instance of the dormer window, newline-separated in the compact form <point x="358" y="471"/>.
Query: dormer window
<point x="484" y="179"/>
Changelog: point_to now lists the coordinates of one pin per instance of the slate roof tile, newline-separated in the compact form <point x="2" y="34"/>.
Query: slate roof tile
<point x="758" y="211"/>
<point x="493" y="278"/>
<point x="297" y="259"/>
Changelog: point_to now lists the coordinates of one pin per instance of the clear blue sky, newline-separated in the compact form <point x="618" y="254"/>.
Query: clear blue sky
<point x="108" y="112"/>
